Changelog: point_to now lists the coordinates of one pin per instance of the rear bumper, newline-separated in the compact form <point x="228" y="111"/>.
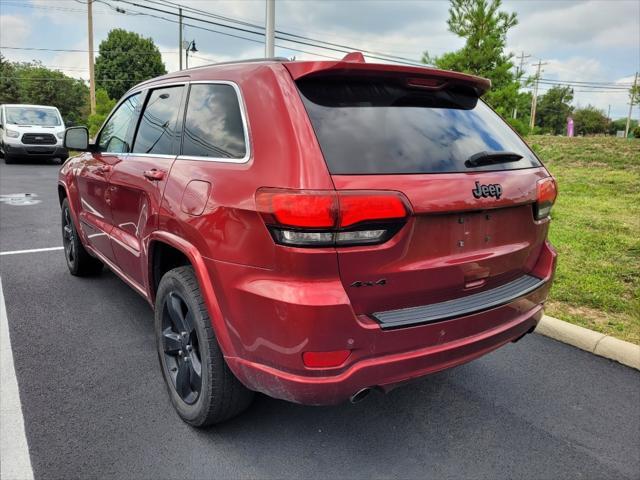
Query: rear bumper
<point x="384" y="372"/>
<point x="274" y="324"/>
<point x="35" y="151"/>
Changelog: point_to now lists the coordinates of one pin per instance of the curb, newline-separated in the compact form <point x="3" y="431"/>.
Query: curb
<point x="594" y="342"/>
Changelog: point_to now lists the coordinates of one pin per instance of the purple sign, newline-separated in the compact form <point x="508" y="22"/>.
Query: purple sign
<point x="569" y="127"/>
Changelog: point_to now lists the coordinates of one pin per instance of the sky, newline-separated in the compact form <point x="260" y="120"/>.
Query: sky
<point x="580" y="41"/>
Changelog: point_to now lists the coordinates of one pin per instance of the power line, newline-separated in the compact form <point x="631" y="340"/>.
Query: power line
<point x="238" y="36"/>
<point x="293" y="35"/>
<point x="64" y="79"/>
<point x="583" y="81"/>
<point x="388" y="58"/>
<point x="612" y="86"/>
<point x="78" y="50"/>
<point x="603" y="87"/>
<point x="48" y="7"/>
<point x="282" y="32"/>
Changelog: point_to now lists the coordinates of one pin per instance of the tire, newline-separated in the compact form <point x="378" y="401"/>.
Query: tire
<point x="187" y="344"/>
<point x="79" y="261"/>
<point x="8" y="159"/>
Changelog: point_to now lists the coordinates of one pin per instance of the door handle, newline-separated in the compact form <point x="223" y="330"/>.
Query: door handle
<point x="154" y="174"/>
<point x="103" y="169"/>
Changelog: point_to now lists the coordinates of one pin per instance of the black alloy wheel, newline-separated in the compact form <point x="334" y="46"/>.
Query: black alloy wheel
<point x="79" y="261"/>
<point x="201" y="387"/>
<point x="67" y="237"/>
<point x="181" y="348"/>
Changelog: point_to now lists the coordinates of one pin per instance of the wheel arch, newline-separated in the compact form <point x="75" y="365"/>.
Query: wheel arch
<point x="162" y="242"/>
<point x="62" y="193"/>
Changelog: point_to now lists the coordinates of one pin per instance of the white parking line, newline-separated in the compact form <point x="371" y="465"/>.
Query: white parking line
<point x="33" y="250"/>
<point x="15" y="462"/>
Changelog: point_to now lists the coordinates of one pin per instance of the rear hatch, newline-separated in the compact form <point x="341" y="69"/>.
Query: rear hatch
<point x="471" y="182"/>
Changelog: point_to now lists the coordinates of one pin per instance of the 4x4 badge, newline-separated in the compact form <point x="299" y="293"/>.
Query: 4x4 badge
<point x="493" y="190"/>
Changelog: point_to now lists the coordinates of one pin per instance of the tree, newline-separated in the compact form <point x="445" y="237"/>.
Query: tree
<point x="553" y="109"/>
<point x="42" y="86"/>
<point x="590" y="120"/>
<point x="618" y="125"/>
<point x="484" y="27"/>
<point x="125" y="59"/>
<point x="9" y="83"/>
<point x="634" y="95"/>
<point x="33" y="83"/>
<point x="104" y="105"/>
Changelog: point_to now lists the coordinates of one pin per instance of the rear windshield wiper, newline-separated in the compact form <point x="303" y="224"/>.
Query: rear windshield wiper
<point x="490" y="158"/>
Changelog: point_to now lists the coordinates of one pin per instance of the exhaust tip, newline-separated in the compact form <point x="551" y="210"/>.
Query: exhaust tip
<point x="515" y="340"/>
<point x="360" y="395"/>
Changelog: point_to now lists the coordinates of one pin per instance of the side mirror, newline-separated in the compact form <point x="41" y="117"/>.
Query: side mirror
<point x="77" y="138"/>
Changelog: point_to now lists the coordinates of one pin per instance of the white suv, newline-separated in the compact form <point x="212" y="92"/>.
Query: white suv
<point x="31" y="132"/>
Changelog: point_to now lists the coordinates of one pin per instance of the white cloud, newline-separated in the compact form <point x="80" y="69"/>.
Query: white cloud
<point x="584" y="25"/>
<point x="596" y="40"/>
<point x="572" y="68"/>
<point x="14" y="29"/>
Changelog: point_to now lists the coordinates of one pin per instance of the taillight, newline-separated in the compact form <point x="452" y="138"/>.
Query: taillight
<point x="547" y="191"/>
<point x="316" y="218"/>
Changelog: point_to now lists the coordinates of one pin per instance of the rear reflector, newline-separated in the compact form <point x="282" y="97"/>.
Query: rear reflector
<point x="325" y="217"/>
<point x="547" y="191"/>
<point x="325" y="359"/>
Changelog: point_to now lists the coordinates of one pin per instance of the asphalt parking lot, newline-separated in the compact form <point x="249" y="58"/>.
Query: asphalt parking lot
<point x="94" y="404"/>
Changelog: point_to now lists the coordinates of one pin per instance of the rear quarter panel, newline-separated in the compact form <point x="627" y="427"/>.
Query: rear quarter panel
<point x="229" y="233"/>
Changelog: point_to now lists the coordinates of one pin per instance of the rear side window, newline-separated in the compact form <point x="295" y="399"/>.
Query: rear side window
<point x="213" y="124"/>
<point x="384" y="127"/>
<point x="113" y="137"/>
<point x="157" y="128"/>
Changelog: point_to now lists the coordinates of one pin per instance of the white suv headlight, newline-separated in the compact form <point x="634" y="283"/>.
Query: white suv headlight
<point x="12" y="133"/>
<point x="60" y="135"/>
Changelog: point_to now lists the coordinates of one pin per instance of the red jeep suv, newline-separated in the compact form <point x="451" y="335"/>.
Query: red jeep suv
<point x="312" y="230"/>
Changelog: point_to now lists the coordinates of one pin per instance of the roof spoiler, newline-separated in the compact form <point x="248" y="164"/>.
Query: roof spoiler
<point x="426" y="78"/>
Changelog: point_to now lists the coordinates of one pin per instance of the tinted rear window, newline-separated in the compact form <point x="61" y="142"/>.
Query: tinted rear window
<point x="383" y="127"/>
<point x="213" y="126"/>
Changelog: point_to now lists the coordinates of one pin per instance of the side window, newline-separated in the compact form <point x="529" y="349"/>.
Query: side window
<point x="213" y="125"/>
<point x="113" y="137"/>
<point x="157" y="129"/>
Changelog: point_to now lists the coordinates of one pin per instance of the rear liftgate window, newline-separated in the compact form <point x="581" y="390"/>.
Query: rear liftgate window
<point x="384" y="126"/>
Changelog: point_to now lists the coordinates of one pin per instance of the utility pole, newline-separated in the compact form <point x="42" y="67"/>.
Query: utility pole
<point x="519" y="72"/>
<point x="632" y="98"/>
<point x="180" y="37"/>
<point x="270" y="29"/>
<point x="92" y="78"/>
<point x="534" y="99"/>
<point x="608" y="119"/>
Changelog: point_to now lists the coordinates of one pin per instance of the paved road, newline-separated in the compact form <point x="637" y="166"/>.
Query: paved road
<point x="95" y="406"/>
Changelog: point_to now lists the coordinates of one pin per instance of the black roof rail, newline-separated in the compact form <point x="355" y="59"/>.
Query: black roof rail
<point x="248" y="60"/>
<point x="166" y="76"/>
<point x="184" y="73"/>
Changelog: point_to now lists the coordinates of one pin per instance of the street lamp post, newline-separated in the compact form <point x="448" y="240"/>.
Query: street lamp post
<point x="189" y="47"/>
